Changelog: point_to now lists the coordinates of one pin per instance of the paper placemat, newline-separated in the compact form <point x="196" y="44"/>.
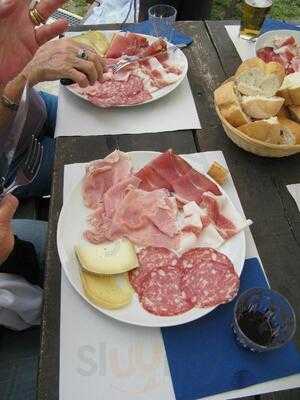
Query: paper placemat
<point x="100" y="355"/>
<point x="245" y="48"/>
<point x="77" y="117"/>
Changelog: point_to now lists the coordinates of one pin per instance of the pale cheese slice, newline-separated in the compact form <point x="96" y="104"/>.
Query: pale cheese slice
<point x="107" y="258"/>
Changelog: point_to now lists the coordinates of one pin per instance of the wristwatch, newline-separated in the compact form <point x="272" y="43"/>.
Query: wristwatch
<point x="8" y="103"/>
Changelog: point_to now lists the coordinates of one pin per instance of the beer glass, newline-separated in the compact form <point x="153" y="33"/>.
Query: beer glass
<point x="253" y="15"/>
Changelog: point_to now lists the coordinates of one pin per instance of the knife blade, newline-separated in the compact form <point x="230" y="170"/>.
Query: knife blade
<point x="10" y="139"/>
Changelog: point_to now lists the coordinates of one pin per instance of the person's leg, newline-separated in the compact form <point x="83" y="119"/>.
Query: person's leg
<point x="51" y="106"/>
<point x="19" y="351"/>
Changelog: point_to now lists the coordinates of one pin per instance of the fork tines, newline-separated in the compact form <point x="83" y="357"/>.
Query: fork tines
<point x="34" y="157"/>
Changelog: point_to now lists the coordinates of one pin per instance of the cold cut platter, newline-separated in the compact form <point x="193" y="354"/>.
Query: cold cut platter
<point x="161" y="70"/>
<point x="150" y="239"/>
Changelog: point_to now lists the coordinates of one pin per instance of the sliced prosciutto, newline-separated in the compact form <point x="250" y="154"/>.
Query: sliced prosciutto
<point x="101" y="175"/>
<point x="129" y="44"/>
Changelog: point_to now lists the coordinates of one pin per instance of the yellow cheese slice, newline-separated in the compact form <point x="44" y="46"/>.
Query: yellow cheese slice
<point x="107" y="291"/>
<point x="95" y="39"/>
<point x="107" y="258"/>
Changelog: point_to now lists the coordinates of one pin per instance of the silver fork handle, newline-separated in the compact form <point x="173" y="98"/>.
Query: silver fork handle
<point x="9" y="190"/>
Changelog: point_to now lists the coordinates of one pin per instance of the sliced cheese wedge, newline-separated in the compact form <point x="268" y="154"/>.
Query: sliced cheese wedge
<point x="107" y="258"/>
<point x="110" y="292"/>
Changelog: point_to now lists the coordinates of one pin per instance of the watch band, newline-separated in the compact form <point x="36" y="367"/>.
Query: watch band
<point x="8" y="103"/>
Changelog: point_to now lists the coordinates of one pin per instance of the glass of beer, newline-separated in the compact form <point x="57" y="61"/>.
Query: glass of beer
<point x="253" y="15"/>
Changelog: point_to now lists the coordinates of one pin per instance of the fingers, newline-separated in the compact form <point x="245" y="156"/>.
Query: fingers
<point x="98" y="64"/>
<point x="47" y="32"/>
<point x="78" y="77"/>
<point x="88" y="68"/>
<point x="7" y="7"/>
<point x="47" y="7"/>
<point x="8" y="208"/>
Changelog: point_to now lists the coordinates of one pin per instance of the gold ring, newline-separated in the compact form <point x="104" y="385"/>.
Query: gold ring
<point x="39" y="16"/>
<point x="33" y="18"/>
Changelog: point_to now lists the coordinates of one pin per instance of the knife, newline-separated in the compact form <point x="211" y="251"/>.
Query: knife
<point x="10" y="139"/>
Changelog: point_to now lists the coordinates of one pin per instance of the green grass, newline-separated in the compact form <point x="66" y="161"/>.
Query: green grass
<point x="281" y="9"/>
<point x="222" y="9"/>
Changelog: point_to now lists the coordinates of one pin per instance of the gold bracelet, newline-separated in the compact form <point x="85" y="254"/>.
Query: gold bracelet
<point x="8" y="103"/>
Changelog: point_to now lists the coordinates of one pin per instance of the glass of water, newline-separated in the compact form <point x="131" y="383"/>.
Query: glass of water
<point x="163" y="18"/>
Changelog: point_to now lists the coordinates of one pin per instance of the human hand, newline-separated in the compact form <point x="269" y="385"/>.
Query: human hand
<point x="8" y="207"/>
<point x="59" y="59"/>
<point x="19" y="37"/>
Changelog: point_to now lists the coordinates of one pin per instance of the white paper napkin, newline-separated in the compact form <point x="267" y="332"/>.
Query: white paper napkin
<point x="245" y="48"/>
<point x="295" y="193"/>
<point x="77" y="117"/>
<point x="103" y="358"/>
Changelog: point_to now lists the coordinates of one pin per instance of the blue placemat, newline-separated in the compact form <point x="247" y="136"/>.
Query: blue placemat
<point x="274" y="25"/>
<point x="146" y="28"/>
<point x="204" y="357"/>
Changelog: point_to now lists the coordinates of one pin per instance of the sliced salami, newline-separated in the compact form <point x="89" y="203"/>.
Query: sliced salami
<point x="210" y="283"/>
<point x="149" y="259"/>
<point x="162" y="294"/>
<point x="193" y="257"/>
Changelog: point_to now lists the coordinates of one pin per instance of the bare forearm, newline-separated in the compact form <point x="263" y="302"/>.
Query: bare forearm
<point x="13" y="91"/>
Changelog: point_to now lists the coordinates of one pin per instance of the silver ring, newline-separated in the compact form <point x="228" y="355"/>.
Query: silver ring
<point x="82" y="53"/>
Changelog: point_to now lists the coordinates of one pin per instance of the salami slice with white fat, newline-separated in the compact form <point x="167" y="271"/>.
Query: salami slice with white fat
<point x="162" y="293"/>
<point x="149" y="259"/>
<point x="210" y="283"/>
<point x="195" y="256"/>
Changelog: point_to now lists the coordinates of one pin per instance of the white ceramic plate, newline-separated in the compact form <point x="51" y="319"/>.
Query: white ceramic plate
<point x="178" y="58"/>
<point x="72" y="223"/>
<point x="266" y="39"/>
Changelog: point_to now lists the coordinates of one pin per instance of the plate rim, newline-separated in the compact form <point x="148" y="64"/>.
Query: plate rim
<point x="172" y="86"/>
<point x="107" y="312"/>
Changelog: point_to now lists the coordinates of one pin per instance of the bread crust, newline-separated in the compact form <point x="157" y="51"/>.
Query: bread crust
<point x="293" y="126"/>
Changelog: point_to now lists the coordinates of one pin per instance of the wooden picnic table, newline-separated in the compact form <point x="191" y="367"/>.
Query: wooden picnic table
<point x="260" y="182"/>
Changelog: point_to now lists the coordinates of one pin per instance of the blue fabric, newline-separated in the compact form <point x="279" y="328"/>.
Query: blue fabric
<point x="205" y="359"/>
<point x="274" y="25"/>
<point x="146" y="28"/>
<point x="41" y="186"/>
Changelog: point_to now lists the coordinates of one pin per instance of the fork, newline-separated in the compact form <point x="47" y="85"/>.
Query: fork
<point x="126" y="60"/>
<point x="29" y="169"/>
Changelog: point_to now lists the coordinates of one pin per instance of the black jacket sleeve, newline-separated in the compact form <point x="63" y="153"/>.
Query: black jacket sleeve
<point x="23" y="261"/>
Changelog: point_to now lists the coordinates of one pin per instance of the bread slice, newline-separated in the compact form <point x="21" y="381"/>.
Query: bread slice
<point x="261" y="107"/>
<point x="293" y="126"/>
<point x="255" y="77"/>
<point x="290" y="89"/>
<point x="110" y="292"/>
<point x="96" y="39"/>
<point x="294" y="112"/>
<point x="268" y="131"/>
<point x="218" y="172"/>
<point x="228" y="102"/>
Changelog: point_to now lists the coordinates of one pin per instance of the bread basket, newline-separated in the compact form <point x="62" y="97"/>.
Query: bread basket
<point x="253" y="145"/>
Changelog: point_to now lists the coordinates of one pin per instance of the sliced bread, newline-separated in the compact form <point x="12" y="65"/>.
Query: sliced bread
<point x="228" y="102"/>
<point x="293" y="126"/>
<point x="290" y="89"/>
<point x="295" y="113"/>
<point x="255" y="77"/>
<point x="261" y="107"/>
<point x="268" y="131"/>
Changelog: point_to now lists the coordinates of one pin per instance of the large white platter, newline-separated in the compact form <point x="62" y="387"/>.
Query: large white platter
<point x="72" y="223"/>
<point x="178" y="58"/>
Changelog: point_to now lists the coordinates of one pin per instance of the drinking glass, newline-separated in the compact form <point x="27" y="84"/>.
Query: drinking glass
<point x="163" y="18"/>
<point x="253" y="15"/>
<point x="263" y="320"/>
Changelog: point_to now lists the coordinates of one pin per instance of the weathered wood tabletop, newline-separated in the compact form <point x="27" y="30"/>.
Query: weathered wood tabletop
<point x="260" y="182"/>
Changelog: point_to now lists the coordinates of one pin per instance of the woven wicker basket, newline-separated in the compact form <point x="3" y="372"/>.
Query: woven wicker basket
<point x="253" y="145"/>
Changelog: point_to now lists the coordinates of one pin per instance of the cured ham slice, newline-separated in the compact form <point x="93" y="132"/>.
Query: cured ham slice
<point x="151" y="179"/>
<point x="129" y="44"/>
<point x="284" y="41"/>
<point x="102" y="174"/>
